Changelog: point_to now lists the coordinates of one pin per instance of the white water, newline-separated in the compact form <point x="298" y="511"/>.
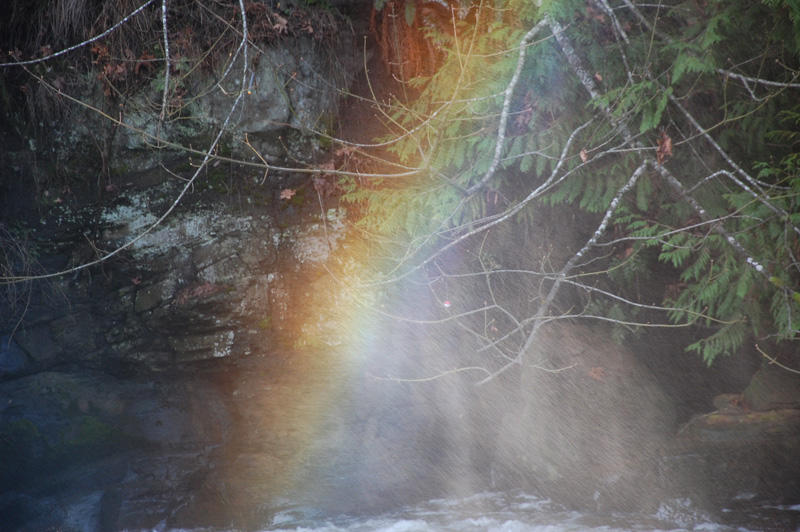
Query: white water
<point x="519" y="512"/>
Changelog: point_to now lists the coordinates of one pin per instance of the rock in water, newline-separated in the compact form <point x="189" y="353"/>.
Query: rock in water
<point x="13" y="360"/>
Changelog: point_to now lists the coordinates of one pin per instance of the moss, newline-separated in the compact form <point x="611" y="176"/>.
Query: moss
<point x="85" y="439"/>
<point x="216" y="180"/>
<point x="325" y="142"/>
<point x="21" y="442"/>
<point x="225" y="147"/>
<point x="19" y="432"/>
<point x="90" y="431"/>
<point x="299" y="198"/>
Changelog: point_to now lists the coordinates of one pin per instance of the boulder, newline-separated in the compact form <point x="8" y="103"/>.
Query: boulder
<point x="735" y="453"/>
<point x="773" y="387"/>
<point x="586" y="422"/>
<point x="13" y="360"/>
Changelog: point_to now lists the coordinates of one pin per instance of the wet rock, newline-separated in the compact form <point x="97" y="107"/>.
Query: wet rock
<point x="587" y="423"/>
<point x="148" y="298"/>
<point x="38" y="342"/>
<point x="126" y="453"/>
<point x="202" y="346"/>
<point x="13" y="360"/>
<point x="285" y="94"/>
<point x="719" y="456"/>
<point x="729" y="403"/>
<point x="74" y="332"/>
<point x="155" y="486"/>
<point x="773" y="387"/>
<point x="125" y="424"/>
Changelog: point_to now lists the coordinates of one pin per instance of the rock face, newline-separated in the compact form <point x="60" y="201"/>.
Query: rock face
<point x="82" y="440"/>
<point x="118" y="385"/>
<point x="166" y="387"/>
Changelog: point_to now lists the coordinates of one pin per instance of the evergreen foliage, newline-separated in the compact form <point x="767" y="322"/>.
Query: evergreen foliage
<point x="702" y="92"/>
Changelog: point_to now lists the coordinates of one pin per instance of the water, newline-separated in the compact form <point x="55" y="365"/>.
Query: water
<point x="521" y="512"/>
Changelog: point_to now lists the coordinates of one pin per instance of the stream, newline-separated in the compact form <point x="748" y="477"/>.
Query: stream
<point x="517" y="511"/>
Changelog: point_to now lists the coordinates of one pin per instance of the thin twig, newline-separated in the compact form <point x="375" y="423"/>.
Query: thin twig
<point x="206" y="157"/>
<point x="82" y="43"/>
<point x="774" y="361"/>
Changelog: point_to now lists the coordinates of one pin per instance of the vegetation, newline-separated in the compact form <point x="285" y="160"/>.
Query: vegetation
<point x="674" y="126"/>
<point x="665" y="134"/>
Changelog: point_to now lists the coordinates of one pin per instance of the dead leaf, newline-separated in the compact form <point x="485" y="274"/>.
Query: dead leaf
<point x="584" y="155"/>
<point x="598" y="373"/>
<point x="145" y="61"/>
<point x="281" y="26"/>
<point x="288" y="193"/>
<point x="664" y="150"/>
<point x="595" y="14"/>
<point x="345" y="151"/>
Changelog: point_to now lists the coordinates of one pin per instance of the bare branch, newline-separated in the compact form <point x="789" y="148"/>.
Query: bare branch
<point x="82" y="43"/>
<point x="588" y="82"/>
<point x="509" y="93"/>
<point x="544" y="308"/>
<point x="760" y="81"/>
<point x="206" y="158"/>
<point x="167" y="65"/>
<point x="772" y="360"/>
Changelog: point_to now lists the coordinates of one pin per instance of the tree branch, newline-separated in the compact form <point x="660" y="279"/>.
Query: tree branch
<point x="82" y="43"/>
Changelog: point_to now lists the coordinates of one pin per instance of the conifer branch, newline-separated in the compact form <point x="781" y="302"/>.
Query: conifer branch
<point x="508" y="95"/>
<point x="761" y="196"/>
<point x="589" y="85"/>
<point x="560" y="277"/>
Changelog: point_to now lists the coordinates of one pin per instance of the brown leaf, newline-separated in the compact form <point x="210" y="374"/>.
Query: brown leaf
<point x="598" y="373"/>
<point x="345" y="151"/>
<point x="281" y="26"/>
<point x="144" y="61"/>
<point x="664" y="150"/>
<point x="628" y="251"/>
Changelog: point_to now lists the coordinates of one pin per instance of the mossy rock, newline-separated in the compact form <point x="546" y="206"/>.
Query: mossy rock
<point x="22" y="440"/>
<point x="89" y="431"/>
